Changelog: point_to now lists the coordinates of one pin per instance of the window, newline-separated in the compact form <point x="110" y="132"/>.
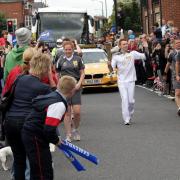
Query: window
<point x="28" y="20"/>
<point x="157" y="17"/>
<point x="27" y="5"/>
<point x="94" y="57"/>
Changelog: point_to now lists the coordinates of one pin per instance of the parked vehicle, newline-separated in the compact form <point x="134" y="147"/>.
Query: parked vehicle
<point x="97" y="73"/>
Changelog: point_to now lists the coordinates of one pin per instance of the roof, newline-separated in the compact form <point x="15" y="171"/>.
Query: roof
<point x="55" y="9"/>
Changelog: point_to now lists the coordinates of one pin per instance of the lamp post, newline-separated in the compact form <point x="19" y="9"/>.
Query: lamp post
<point x="116" y="18"/>
<point x="106" y="7"/>
<point x="101" y="6"/>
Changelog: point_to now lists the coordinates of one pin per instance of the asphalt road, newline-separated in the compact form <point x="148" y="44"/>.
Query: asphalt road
<point x="149" y="149"/>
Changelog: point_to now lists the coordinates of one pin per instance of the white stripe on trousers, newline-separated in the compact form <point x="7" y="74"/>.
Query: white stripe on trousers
<point x="126" y="90"/>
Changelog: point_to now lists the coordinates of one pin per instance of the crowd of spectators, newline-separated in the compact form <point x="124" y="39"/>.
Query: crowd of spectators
<point x="158" y="45"/>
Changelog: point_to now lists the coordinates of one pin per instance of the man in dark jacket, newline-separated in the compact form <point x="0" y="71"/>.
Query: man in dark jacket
<point x="172" y="62"/>
<point x="40" y="127"/>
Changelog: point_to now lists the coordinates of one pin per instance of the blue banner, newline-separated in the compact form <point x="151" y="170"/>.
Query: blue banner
<point x="46" y="36"/>
<point x="78" y="166"/>
<point x="65" y="145"/>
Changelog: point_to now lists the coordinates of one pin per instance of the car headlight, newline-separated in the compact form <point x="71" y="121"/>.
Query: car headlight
<point x="110" y="74"/>
<point x="114" y="72"/>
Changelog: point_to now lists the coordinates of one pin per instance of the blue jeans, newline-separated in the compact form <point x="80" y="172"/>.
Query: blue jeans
<point x="27" y="172"/>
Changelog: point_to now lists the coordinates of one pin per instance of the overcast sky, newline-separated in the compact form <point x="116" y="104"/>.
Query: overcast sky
<point x="94" y="7"/>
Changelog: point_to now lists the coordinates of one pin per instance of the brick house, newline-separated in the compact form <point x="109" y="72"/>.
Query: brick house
<point x="17" y="11"/>
<point x="155" y="10"/>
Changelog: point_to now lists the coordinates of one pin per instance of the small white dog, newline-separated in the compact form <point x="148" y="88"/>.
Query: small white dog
<point x="52" y="147"/>
<point x="4" y="152"/>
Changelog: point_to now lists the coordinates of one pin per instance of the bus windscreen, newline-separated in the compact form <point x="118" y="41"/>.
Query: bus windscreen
<point x="62" y="24"/>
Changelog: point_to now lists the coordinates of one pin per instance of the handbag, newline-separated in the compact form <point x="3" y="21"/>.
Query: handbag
<point x="7" y="98"/>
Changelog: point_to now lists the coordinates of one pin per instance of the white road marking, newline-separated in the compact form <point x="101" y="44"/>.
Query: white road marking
<point x="159" y="93"/>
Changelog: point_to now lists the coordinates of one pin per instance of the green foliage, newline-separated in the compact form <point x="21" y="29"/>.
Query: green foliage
<point x="105" y="27"/>
<point x="113" y="17"/>
<point x="2" y="22"/>
<point x="127" y="23"/>
<point x="130" y="16"/>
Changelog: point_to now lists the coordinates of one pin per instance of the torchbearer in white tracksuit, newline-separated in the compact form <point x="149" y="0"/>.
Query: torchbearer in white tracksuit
<point x="124" y="62"/>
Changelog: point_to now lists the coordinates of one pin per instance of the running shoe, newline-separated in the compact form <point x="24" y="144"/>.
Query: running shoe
<point x="76" y="135"/>
<point x="68" y="138"/>
<point x="127" y="123"/>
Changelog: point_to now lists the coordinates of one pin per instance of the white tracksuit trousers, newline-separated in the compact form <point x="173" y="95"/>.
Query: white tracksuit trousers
<point x="127" y="90"/>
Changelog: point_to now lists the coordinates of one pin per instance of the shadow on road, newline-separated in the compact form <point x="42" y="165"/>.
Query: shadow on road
<point x="99" y="90"/>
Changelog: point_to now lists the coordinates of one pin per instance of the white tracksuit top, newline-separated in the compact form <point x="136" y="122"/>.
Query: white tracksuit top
<point x="125" y="65"/>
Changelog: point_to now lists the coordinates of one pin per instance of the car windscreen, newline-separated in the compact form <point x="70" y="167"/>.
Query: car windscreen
<point x="94" y="57"/>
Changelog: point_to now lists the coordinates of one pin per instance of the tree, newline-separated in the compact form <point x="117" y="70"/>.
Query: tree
<point x="129" y="16"/>
<point x="2" y="22"/>
<point x="136" y="20"/>
<point x="127" y="23"/>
